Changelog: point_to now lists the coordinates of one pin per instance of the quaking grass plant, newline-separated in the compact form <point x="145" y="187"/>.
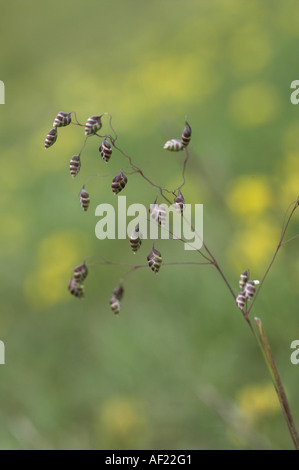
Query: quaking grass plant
<point x="248" y="289"/>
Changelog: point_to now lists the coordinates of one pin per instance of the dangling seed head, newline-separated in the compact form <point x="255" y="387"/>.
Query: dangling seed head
<point x="179" y="203"/>
<point x="84" y="199"/>
<point x="115" y="305"/>
<point x="118" y="292"/>
<point x="75" y="165"/>
<point x="93" y="124"/>
<point x="154" y="211"/>
<point x="243" y="279"/>
<point x="119" y="182"/>
<point x="136" y="239"/>
<point x="62" y="119"/>
<point x="51" y="138"/>
<point x="174" y="145"/>
<point x="162" y="215"/>
<point x="80" y="273"/>
<point x="249" y="289"/>
<point x="105" y="150"/>
<point x="154" y="259"/>
<point x="186" y="136"/>
<point x="76" y="288"/>
<point x="158" y="213"/>
<point x="241" y="300"/>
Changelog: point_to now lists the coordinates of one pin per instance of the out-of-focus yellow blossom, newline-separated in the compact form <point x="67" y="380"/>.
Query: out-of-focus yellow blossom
<point x="257" y="401"/>
<point x="287" y="21"/>
<point x="120" y="420"/>
<point x="249" y="49"/>
<point x="254" y="104"/>
<point x="250" y="196"/>
<point x="157" y="81"/>
<point x="253" y="246"/>
<point x="57" y="255"/>
<point x="288" y="176"/>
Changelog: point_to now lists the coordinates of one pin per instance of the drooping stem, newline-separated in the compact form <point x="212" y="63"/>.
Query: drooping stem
<point x="269" y="359"/>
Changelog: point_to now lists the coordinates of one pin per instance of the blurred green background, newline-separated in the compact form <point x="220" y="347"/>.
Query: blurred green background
<point x="178" y="369"/>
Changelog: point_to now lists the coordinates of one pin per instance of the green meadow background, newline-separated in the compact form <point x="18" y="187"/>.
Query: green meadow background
<point x="178" y="368"/>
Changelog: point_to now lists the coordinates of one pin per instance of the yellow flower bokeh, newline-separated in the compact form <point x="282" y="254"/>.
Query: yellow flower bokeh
<point x="46" y="284"/>
<point x="122" y="420"/>
<point x="288" y="175"/>
<point x="250" y="196"/>
<point x="254" y="104"/>
<point x="257" y="401"/>
<point x="253" y="246"/>
<point x="249" y="49"/>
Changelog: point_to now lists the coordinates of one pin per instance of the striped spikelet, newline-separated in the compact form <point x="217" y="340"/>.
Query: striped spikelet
<point x="119" y="182"/>
<point x="179" y="204"/>
<point x="115" y="305"/>
<point x="154" y="259"/>
<point x="174" y="145"/>
<point x="105" y="150"/>
<point x="93" y="124"/>
<point x="51" y="138"/>
<point x="243" y="279"/>
<point x="80" y="273"/>
<point x="241" y="300"/>
<point x="158" y="213"/>
<point x="136" y="239"/>
<point x="118" y="292"/>
<point x="76" y="288"/>
<point x="84" y="199"/>
<point x="116" y="298"/>
<point x="249" y="289"/>
<point x="62" y="119"/>
<point x="186" y="136"/>
<point x="75" y="165"/>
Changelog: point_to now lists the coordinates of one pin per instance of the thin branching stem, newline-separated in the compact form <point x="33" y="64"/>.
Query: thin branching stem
<point x="210" y="260"/>
<point x="283" y="232"/>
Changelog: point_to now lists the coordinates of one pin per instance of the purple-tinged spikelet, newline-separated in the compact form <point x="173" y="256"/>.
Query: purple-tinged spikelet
<point x="62" y="119"/>
<point x="249" y="289"/>
<point x="158" y="213"/>
<point x="241" y="300"/>
<point x="51" y="138"/>
<point x="75" y="165"/>
<point x="119" y="182"/>
<point x="154" y="259"/>
<point x="84" y="199"/>
<point x="243" y="279"/>
<point x="186" y="136"/>
<point x="136" y="239"/>
<point x="162" y="215"/>
<point x="179" y="203"/>
<point x="118" y="292"/>
<point x="80" y="272"/>
<point x="105" y="150"/>
<point x="174" y="145"/>
<point x="93" y="124"/>
<point x="76" y="289"/>
<point x="115" y="305"/>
